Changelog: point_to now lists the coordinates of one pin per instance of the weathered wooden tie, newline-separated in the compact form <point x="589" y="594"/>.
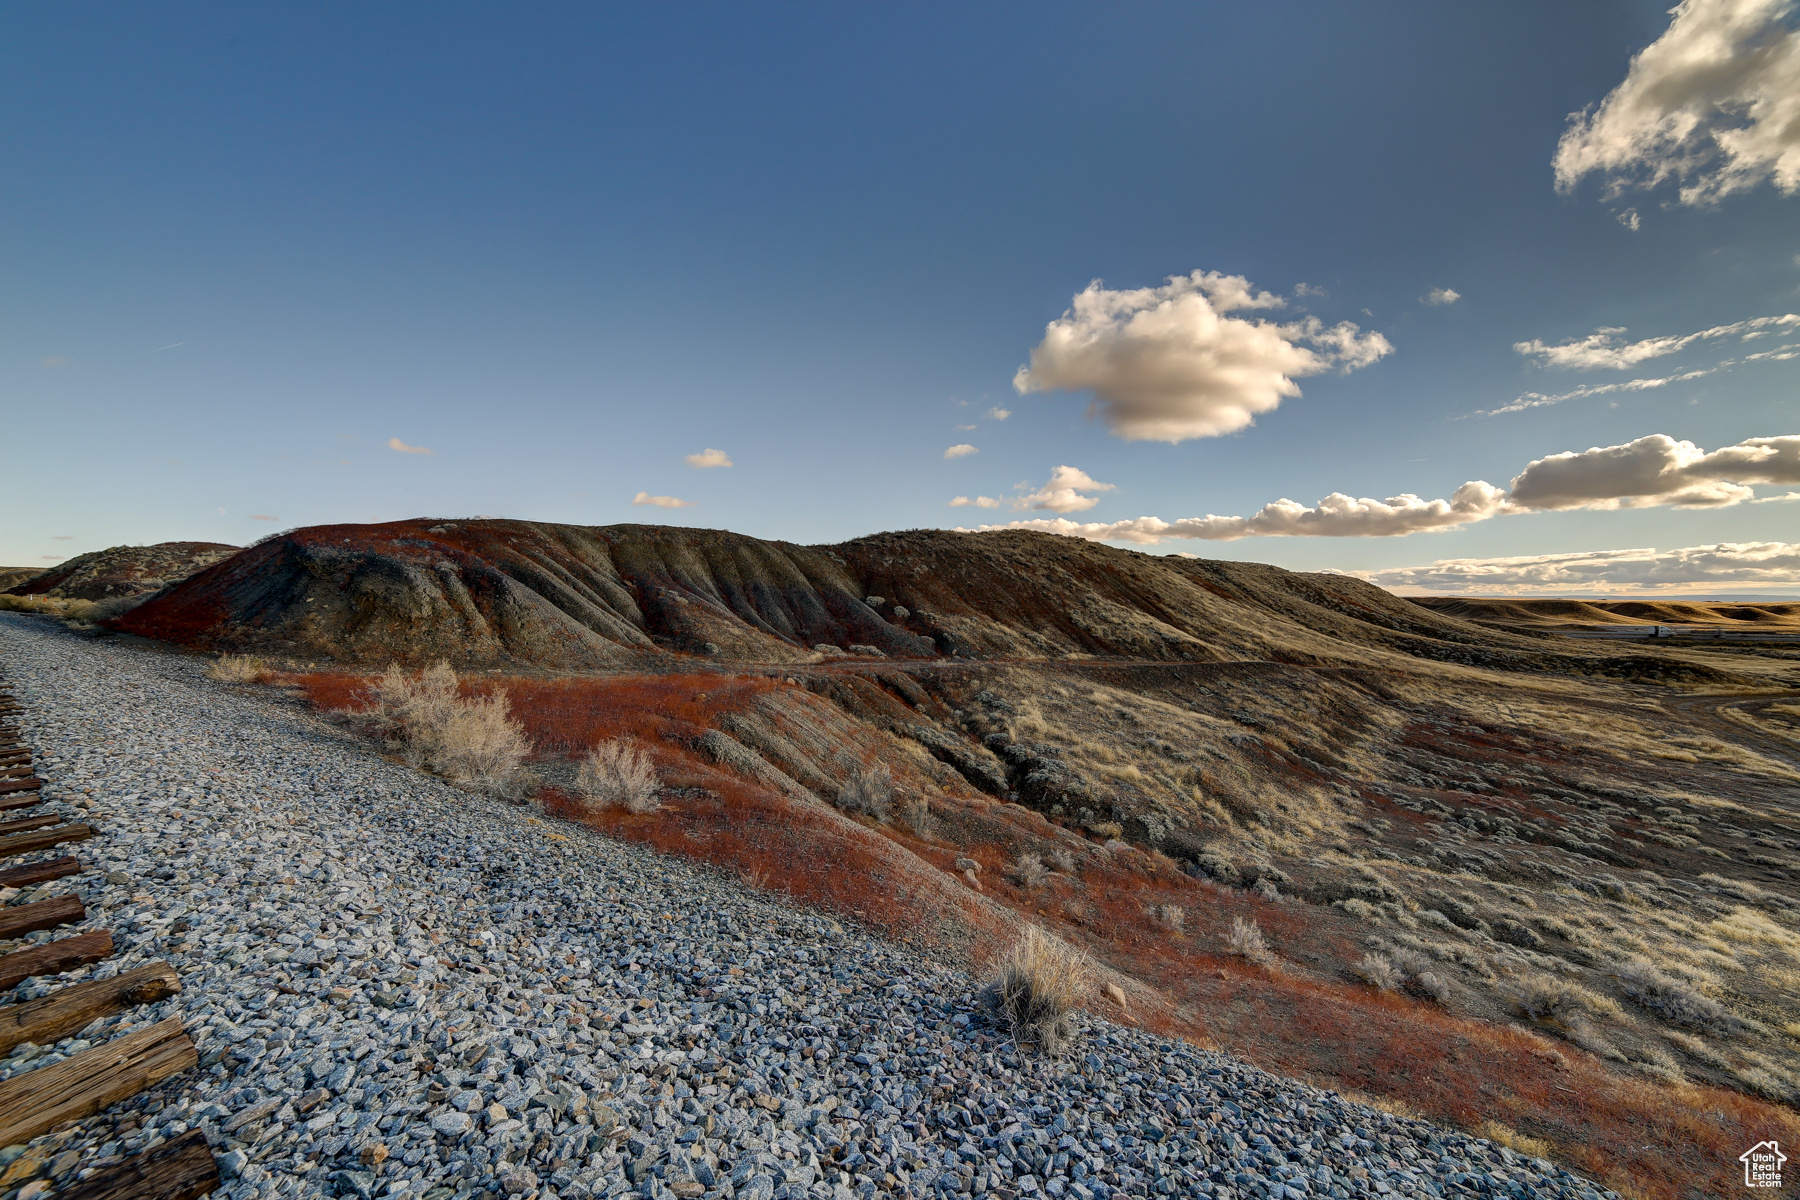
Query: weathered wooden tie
<point x="25" y="824"/>
<point x="41" y="872"/>
<point x="54" y="958"/>
<point x="182" y="1168"/>
<point x="23" y="800"/>
<point x="83" y="1084"/>
<point x="21" y="919"/>
<point x="69" y="1010"/>
<point x="43" y="839"/>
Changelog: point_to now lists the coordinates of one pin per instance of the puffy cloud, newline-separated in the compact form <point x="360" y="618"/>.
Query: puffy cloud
<point x="1305" y="291"/>
<point x="1602" y="347"/>
<point x="1651" y="471"/>
<point x="645" y="498"/>
<point x="1657" y="470"/>
<point x="961" y="451"/>
<point x="1062" y="493"/>
<point x="1714" y="103"/>
<point x="998" y="414"/>
<point x="403" y="448"/>
<point x="709" y="458"/>
<point x="1169" y="363"/>
<point x="1441" y="296"/>
<point x="976" y="502"/>
<point x="1727" y="564"/>
<point x="1337" y="515"/>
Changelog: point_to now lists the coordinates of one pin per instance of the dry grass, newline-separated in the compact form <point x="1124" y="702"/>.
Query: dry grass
<point x="868" y="791"/>
<point x="1037" y="989"/>
<point x="1512" y="1139"/>
<point x="238" y="668"/>
<point x="618" y="774"/>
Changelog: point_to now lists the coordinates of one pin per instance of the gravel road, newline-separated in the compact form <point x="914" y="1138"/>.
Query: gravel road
<point x="400" y="989"/>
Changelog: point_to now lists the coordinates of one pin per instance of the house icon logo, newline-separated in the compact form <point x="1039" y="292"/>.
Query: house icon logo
<point x="1762" y="1165"/>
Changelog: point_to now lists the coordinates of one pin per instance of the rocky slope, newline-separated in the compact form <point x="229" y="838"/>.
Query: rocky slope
<point x="401" y="989"/>
<point x="122" y="571"/>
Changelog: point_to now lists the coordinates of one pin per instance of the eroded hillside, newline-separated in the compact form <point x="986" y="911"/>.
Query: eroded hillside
<point x="1500" y="875"/>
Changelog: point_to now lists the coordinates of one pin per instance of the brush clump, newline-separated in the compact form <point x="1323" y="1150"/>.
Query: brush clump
<point x="1037" y="989"/>
<point x="471" y="740"/>
<point x="619" y="774"/>
<point x="238" y="668"/>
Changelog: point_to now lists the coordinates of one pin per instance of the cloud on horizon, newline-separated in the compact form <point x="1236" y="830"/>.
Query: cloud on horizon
<point x="645" y="498"/>
<point x="1653" y="471"/>
<point x="708" y="459"/>
<point x="1725" y="564"/>
<point x="1713" y="103"/>
<point x="977" y="502"/>
<point x="403" y="448"/>
<point x="1169" y="364"/>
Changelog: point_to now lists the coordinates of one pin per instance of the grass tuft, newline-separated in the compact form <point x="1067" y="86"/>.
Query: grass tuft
<point x="238" y="668"/>
<point x="618" y="774"/>
<point x="1038" y="988"/>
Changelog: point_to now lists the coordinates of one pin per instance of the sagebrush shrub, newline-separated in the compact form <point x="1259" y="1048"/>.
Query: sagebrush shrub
<point x="1246" y="941"/>
<point x="473" y="742"/>
<point x="1379" y="971"/>
<point x="869" y="791"/>
<point x="1037" y="988"/>
<point x="618" y="774"/>
<point x="1029" y="871"/>
<point x="1674" y="1000"/>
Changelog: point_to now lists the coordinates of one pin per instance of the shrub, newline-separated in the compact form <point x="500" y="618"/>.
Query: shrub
<point x="470" y="741"/>
<point x="1172" y="916"/>
<point x="1379" y="971"/>
<point x="869" y="791"/>
<point x="1028" y="871"/>
<point x="618" y="774"/>
<point x="238" y="668"/>
<point x="1060" y="858"/>
<point x="915" y="814"/>
<point x="1512" y="1139"/>
<point x="1037" y="989"/>
<point x="1246" y="941"/>
<point x="1674" y="1000"/>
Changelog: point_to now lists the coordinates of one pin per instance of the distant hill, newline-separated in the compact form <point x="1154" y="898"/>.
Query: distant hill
<point x="120" y="571"/>
<point x="11" y="577"/>
<point x="489" y="592"/>
<point x="1575" y="614"/>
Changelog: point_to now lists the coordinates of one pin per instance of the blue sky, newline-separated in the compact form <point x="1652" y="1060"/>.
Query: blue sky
<point x="245" y="251"/>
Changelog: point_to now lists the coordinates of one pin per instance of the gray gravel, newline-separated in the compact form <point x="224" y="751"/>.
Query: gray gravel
<point x="401" y="989"/>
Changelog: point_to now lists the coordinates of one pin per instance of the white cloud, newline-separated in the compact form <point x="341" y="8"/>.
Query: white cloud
<point x="403" y="448"/>
<point x="709" y="458"/>
<point x="977" y="502"/>
<point x="962" y="450"/>
<point x="645" y="498"/>
<point x="998" y="414"/>
<point x="1306" y="290"/>
<point x="1654" y="471"/>
<point x="1062" y="493"/>
<point x="1602" y="347"/>
<point x="1629" y="219"/>
<point x="1657" y="470"/>
<point x="1727" y="564"/>
<point x="1337" y="515"/>
<point x="1714" y="104"/>
<point x="1540" y="400"/>
<point x="1441" y="296"/>
<point x="1168" y="363"/>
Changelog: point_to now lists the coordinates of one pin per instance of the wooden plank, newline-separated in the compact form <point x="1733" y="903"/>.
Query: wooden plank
<point x="41" y="872"/>
<point x="17" y="772"/>
<point x="43" y="839"/>
<point x="53" y="958"/>
<point x="82" y="1084"/>
<point x="182" y="1168"/>
<point x="21" y="919"/>
<point x="24" y="824"/>
<point x="23" y="800"/>
<point x="20" y="785"/>
<point x="67" y="1011"/>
